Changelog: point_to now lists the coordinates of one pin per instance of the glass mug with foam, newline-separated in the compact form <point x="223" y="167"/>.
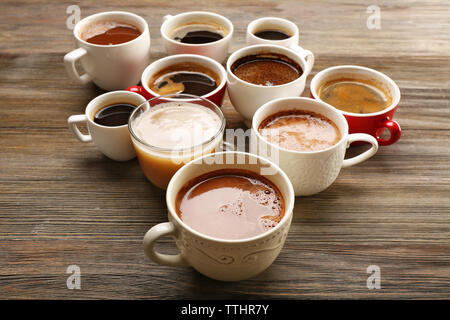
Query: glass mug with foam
<point x="310" y="170"/>
<point x="171" y="130"/>
<point x="197" y="32"/>
<point x="210" y="254"/>
<point x="372" y="122"/>
<point x="246" y="95"/>
<point x="109" y="66"/>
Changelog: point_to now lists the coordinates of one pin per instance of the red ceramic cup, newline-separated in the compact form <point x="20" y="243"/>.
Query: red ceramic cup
<point x="215" y="96"/>
<point x="370" y="123"/>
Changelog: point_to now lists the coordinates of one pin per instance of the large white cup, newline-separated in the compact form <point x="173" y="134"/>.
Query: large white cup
<point x="314" y="171"/>
<point x="111" y="67"/>
<point x="113" y="142"/>
<point x="227" y="260"/>
<point x="217" y="50"/>
<point x="247" y="97"/>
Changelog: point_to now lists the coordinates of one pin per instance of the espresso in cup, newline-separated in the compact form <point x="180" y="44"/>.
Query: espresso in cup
<point x="186" y="77"/>
<point x="272" y="34"/>
<point x="300" y="130"/>
<point x="109" y="33"/>
<point x="114" y="115"/>
<point x="267" y="69"/>
<point x="355" y="95"/>
<point x="230" y="204"/>
<point x="199" y="33"/>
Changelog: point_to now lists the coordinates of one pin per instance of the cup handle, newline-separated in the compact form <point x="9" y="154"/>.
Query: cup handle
<point x="72" y="121"/>
<point x="136" y="89"/>
<point x="150" y="239"/>
<point x="305" y="54"/>
<point x="69" y="62"/>
<point x="167" y="17"/>
<point x="394" y="129"/>
<point x="363" y="156"/>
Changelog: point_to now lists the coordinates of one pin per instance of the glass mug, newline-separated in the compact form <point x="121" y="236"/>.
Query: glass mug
<point x="159" y="164"/>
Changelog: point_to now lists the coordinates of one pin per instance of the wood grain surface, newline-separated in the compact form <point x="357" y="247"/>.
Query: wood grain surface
<point x="63" y="203"/>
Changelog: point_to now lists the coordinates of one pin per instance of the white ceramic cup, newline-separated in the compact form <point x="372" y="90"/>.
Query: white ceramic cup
<point x="247" y="97"/>
<point x="113" y="142"/>
<point x="314" y="171"/>
<point x="226" y="260"/>
<point x="217" y="50"/>
<point x="274" y="23"/>
<point x="111" y="67"/>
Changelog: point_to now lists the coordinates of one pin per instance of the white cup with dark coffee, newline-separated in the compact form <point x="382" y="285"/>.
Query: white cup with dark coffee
<point x="106" y="118"/>
<point x="229" y="219"/>
<point x="308" y="139"/>
<point x="260" y="73"/>
<point x="113" y="49"/>
<point x="197" y="32"/>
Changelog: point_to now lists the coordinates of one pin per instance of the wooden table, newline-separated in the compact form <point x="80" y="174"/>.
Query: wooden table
<point x="63" y="203"/>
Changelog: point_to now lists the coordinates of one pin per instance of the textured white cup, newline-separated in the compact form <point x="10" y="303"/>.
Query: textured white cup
<point x="247" y="97"/>
<point x="113" y="142"/>
<point x="314" y="171"/>
<point x="217" y="50"/>
<point x="111" y="67"/>
<point x="226" y="260"/>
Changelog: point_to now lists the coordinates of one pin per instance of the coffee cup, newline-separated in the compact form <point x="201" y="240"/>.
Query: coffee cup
<point x="310" y="171"/>
<point x="113" y="141"/>
<point x="215" y="96"/>
<point x="370" y="123"/>
<point x="216" y="49"/>
<point x="277" y="31"/>
<point x="111" y="67"/>
<point x="221" y="259"/>
<point x="247" y="97"/>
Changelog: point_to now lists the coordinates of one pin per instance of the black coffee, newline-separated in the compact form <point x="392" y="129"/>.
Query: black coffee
<point x="114" y="115"/>
<point x="198" y="37"/>
<point x="272" y="35"/>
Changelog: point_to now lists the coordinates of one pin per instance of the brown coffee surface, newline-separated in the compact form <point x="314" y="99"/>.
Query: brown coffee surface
<point x="186" y="77"/>
<point x="230" y="204"/>
<point x="353" y="95"/>
<point x="300" y="130"/>
<point x="272" y="35"/>
<point x="113" y="115"/>
<point x="110" y="33"/>
<point x="266" y="69"/>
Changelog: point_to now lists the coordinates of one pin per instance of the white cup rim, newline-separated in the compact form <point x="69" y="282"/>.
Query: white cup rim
<point x="344" y="131"/>
<point x="232" y="59"/>
<point x="395" y="95"/>
<point x="95" y="102"/>
<point x="99" y="15"/>
<point x="277" y="19"/>
<point x="187" y="57"/>
<point x="211" y="14"/>
<point x="288" y="212"/>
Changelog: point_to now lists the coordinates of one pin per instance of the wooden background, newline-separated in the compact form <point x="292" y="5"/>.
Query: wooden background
<point x="63" y="203"/>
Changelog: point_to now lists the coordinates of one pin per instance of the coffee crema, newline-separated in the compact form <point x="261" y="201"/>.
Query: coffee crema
<point x="355" y="95"/>
<point x="230" y="204"/>
<point x="266" y="69"/>
<point x="109" y="33"/>
<point x="186" y="77"/>
<point x="177" y="125"/>
<point x="272" y="35"/>
<point x="300" y="130"/>
<point x="113" y="115"/>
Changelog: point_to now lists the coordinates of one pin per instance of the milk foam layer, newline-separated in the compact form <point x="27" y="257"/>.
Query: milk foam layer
<point x="177" y="125"/>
